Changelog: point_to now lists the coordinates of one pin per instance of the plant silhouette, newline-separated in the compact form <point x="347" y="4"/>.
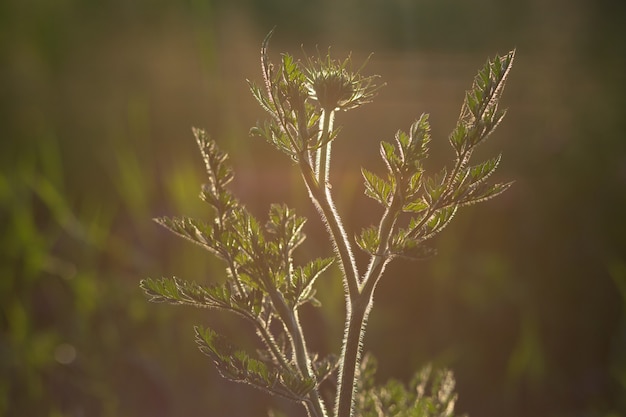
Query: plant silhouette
<point x="264" y="285"/>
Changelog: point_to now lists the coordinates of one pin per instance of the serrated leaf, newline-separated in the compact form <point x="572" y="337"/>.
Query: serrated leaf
<point x="176" y="291"/>
<point x="479" y="113"/>
<point x="414" y="184"/>
<point x="274" y="135"/>
<point x="249" y="301"/>
<point x="300" y="289"/>
<point x="221" y="200"/>
<point x="408" y="247"/>
<point x="216" y="161"/>
<point x="435" y="186"/>
<point x="297" y="385"/>
<point x="193" y="230"/>
<point x="418" y="143"/>
<point x="389" y="156"/>
<point x="368" y="240"/>
<point x="217" y="347"/>
<point x="463" y="173"/>
<point x="289" y="65"/>
<point x="481" y="172"/>
<point x="435" y="224"/>
<point x="286" y="227"/>
<point x="377" y="188"/>
<point x="404" y="142"/>
<point x="416" y="206"/>
<point x="236" y="365"/>
<point x="261" y="98"/>
<point x="472" y="98"/>
<point x="458" y="138"/>
<point x="484" y="192"/>
<point x="161" y="291"/>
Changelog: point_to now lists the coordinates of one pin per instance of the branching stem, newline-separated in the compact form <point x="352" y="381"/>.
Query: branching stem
<point x="357" y="305"/>
<point x="361" y="303"/>
<point x="315" y="406"/>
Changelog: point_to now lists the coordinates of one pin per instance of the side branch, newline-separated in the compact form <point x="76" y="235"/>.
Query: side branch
<point x="322" y="200"/>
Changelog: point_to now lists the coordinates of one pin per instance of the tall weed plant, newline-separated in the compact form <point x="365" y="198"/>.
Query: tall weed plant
<point x="264" y="285"/>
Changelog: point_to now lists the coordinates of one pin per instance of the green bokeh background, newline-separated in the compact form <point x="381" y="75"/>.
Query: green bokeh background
<point x="525" y="300"/>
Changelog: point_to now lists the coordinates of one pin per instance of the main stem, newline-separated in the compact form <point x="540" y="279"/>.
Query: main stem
<point x="356" y="317"/>
<point x="359" y="295"/>
<point x="356" y="324"/>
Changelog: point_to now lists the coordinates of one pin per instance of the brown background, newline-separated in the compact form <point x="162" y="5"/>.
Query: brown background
<point x="524" y="301"/>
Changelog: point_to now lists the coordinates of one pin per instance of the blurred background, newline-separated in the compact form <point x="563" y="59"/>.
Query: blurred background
<point x="525" y="300"/>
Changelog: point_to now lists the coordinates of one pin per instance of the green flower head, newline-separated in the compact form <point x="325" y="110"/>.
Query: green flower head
<point x="335" y="86"/>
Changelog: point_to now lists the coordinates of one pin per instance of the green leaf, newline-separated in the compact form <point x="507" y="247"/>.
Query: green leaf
<point x="377" y="188"/>
<point x="236" y="365"/>
<point x="216" y="161"/>
<point x="435" y="224"/>
<point x="287" y="227"/>
<point x="435" y="187"/>
<point x="300" y="289"/>
<point x="463" y="173"/>
<point x="368" y="240"/>
<point x="483" y="192"/>
<point x="196" y="231"/>
<point x="403" y="244"/>
<point x="293" y="77"/>
<point x="417" y="147"/>
<point x="441" y="219"/>
<point x="414" y="184"/>
<point x="458" y="138"/>
<point x="161" y="291"/>
<point x="389" y="156"/>
<point x="479" y="113"/>
<point x="261" y="98"/>
<point x="481" y="172"/>
<point x="274" y="135"/>
<point x="176" y="291"/>
<point x="416" y="206"/>
<point x="430" y="393"/>
<point x="230" y="361"/>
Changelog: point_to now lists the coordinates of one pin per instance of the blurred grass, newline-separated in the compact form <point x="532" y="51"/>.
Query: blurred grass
<point x="524" y="299"/>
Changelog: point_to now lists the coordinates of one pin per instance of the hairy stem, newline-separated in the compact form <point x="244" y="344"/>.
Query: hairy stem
<point x="358" y="299"/>
<point x="357" y="306"/>
<point x="323" y="202"/>
<point x="315" y="407"/>
<point x="357" y="315"/>
<point x="322" y="168"/>
<point x="351" y="354"/>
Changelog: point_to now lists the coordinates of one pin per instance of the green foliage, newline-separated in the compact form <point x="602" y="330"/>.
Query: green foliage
<point x="267" y="289"/>
<point x="68" y="327"/>
<point x="429" y="394"/>
<point x="236" y="365"/>
<point x="264" y="286"/>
